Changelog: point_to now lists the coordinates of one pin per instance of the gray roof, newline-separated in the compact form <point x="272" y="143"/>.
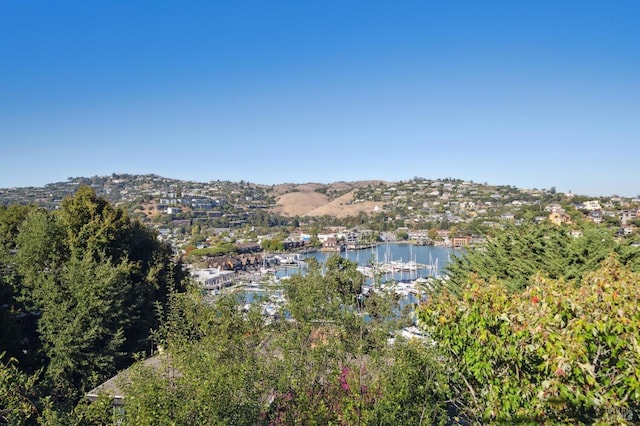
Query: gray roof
<point x="112" y="387"/>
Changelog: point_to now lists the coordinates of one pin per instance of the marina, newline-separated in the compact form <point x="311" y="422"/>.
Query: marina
<point x="395" y="261"/>
<point x="383" y="266"/>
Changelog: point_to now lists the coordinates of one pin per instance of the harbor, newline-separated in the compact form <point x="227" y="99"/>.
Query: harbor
<point x="395" y="261"/>
<point x="403" y="269"/>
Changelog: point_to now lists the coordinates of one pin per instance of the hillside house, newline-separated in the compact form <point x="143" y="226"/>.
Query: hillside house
<point x="559" y="217"/>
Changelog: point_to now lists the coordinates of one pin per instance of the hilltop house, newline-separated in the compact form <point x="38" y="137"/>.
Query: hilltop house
<point x="559" y="217"/>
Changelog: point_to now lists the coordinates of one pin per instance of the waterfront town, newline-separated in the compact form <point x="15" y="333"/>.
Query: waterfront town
<point x="222" y="229"/>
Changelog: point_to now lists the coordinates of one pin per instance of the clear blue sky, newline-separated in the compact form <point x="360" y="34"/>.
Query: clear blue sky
<point x="527" y="93"/>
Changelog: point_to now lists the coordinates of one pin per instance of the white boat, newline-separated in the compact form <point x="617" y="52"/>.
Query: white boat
<point x="413" y="332"/>
<point x="367" y="271"/>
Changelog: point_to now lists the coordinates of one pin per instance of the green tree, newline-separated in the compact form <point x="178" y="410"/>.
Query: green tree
<point x="414" y="387"/>
<point x="41" y="248"/>
<point x="272" y="245"/>
<point x="11" y="218"/>
<point x="212" y="371"/>
<point x="550" y="354"/>
<point x="314" y="241"/>
<point x="517" y="254"/>
<point x="17" y="394"/>
<point x="324" y="359"/>
<point x="335" y="360"/>
<point x="95" y="278"/>
<point x="219" y="249"/>
<point x="342" y="277"/>
<point x="82" y="323"/>
<point x="196" y="233"/>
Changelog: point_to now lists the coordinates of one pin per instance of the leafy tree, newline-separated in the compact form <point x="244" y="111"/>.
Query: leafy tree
<point x="414" y="387"/>
<point x="17" y="394"/>
<point x="211" y="372"/>
<point x="343" y="278"/>
<point x="551" y="354"/>
<point x="11" y="218"/>
<point x="314" y="241"/>
<point x="272" y="245"/>
<point x="41" y="248"/>
<point x="93" y="277"/>
<point x="217" y="250"/>
<point x="82" y="323"/>
<point x="321" y="360"/>
<point x="334" y="350"/>
<point x="295" y="223"/>
<point x="196" y="232"/>
<point x="100" y="412"/>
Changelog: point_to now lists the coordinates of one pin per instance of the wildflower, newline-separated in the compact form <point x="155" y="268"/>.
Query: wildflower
<point x="343" y="379"/>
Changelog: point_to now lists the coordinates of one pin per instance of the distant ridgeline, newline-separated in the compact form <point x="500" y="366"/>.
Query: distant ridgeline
<point x="426" y="211"/>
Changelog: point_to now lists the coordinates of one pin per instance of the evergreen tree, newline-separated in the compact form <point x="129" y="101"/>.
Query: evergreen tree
<point x="92" y="279"/>
<point x="515" y="255"/>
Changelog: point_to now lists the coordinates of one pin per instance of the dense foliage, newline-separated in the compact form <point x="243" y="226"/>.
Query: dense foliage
<point x="218" y="250"/>
<point x="517" y="254"/>
<point x="320" y="361"/>
<point x="542" y="328"/>
<point x="81" y="288"/>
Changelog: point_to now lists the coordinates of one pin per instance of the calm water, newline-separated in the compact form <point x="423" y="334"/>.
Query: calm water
<point x="438" y="257"/>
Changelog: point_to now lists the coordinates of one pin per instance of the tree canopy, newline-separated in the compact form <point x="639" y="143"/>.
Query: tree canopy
<point x="90" y="280"/>
<point x="554" y="353"/>
<point x="320" y="360"/>
<point x="517" y="254"/>
<point x="541" y="326"/>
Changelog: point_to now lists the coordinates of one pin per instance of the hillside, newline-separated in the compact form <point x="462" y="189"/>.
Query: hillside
<point x="417" y="203"/>
<point x="299" y="203"/>
<point x="320" y="200"/>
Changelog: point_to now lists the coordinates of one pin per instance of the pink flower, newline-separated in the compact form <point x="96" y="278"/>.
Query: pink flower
<point x="343" y="379"/>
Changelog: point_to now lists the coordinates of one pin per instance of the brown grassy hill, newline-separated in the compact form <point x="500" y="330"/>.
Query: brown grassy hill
<point x="304" y="200"/>
<point x="300" y="202"/>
